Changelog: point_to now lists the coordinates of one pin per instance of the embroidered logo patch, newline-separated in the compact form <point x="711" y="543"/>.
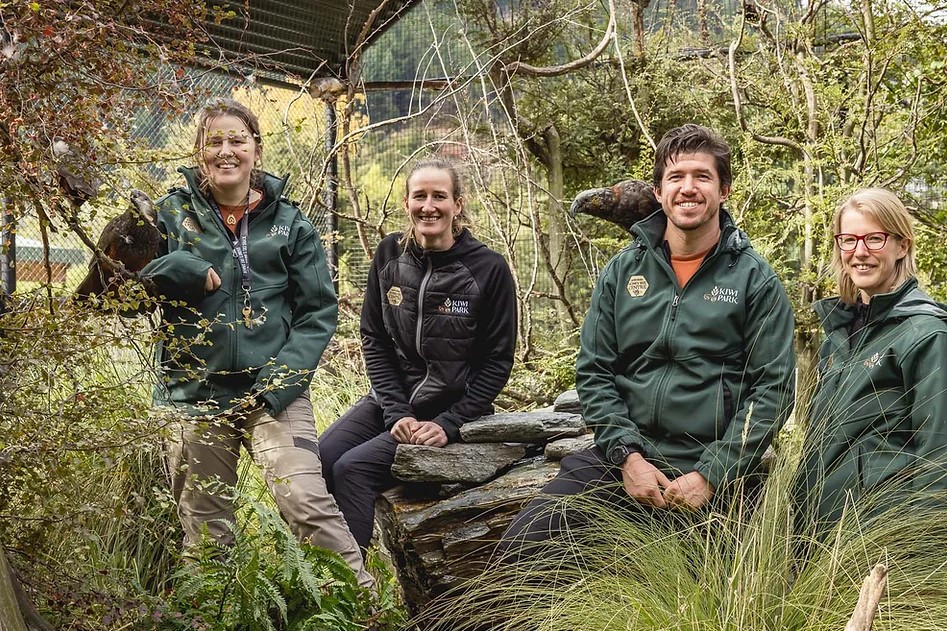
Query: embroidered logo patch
<point x="637" y="286"/>
<point x="394" y="296"/>
<point x="190" y="225"/>
<point x="722" y="294"/>
<point x="873" y="361"/>
<point x="279" y="231"/>
<point x="454" y="307"/>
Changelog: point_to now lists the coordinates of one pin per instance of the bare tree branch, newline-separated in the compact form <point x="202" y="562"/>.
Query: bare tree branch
<point x="737" y="103"/>
<point x="555" y="71"/>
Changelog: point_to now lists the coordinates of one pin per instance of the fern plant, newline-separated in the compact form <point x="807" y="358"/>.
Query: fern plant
<point x="268" y="581"/>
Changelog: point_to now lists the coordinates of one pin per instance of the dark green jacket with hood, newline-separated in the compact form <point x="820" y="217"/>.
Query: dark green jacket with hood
<point x="879" y="414"/>
<point x="211" y="360"/>
<point x="702" y="377"/>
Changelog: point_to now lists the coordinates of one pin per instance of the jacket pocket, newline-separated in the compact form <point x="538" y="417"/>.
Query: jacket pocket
<point x="728" y="409"/>
<point x="726" y="406"/>
<point x="878" y="466"/>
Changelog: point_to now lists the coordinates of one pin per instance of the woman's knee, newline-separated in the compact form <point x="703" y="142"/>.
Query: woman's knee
<point x="329" y="458"/>
<point x="365" y="467"/>
<point x="341" y="470"/>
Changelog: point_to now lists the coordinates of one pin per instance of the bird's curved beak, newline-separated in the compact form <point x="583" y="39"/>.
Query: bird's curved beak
<point x="146" y="207"/>
<point x="589" y="200"/>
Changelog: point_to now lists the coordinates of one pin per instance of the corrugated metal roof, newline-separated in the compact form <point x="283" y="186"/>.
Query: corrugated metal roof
<point x="301" y="37"/>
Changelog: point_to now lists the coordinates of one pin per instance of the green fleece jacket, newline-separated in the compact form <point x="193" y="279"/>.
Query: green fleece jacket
<point x="700" y="377"/>
<point x="879" y="414"/>
<point x="210" y="360"/>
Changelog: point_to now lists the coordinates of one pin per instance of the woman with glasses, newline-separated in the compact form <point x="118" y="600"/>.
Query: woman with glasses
<point x="249" y="310"/>
<point x="878" y="419"/>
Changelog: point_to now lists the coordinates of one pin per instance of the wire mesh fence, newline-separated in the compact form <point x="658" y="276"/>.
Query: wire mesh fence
<point x="406" y="110"/>
<point x="423" y="93"/>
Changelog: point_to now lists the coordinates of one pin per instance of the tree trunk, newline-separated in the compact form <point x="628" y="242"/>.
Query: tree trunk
<point x="17" y="612"/>
<point x="638" y="26"/>
<point x="10" y="617"/>
<point x="559" y="250"/>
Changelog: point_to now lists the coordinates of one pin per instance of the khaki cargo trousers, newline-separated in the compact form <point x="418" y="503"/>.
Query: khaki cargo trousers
<point x="203" y="456"/>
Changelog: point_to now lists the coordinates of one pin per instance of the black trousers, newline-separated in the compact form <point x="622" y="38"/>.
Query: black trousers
<point x="589" y="473"/>
<point x="357" y="452"/>
<point x="585" y="472"/>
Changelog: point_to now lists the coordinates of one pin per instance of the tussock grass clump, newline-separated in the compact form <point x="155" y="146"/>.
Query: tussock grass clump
<point x="759" y="570"/>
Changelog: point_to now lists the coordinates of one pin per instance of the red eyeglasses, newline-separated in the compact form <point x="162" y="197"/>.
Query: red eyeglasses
<point x="873" y="240"/>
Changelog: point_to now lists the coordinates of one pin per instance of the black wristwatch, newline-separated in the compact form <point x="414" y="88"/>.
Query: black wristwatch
<point x="617" y="455"/>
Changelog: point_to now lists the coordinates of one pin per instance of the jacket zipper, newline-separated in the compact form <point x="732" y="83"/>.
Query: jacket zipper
<point x="417" y="332"/>
<point x="235" y="294"/>
<point x="233" y="307"/>
<point x="675" y="303"/>
<point x="666" y="377"/>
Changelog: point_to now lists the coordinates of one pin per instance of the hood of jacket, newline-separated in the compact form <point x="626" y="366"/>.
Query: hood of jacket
<point x="464" y="244"/>
<point x="905" y="301"/>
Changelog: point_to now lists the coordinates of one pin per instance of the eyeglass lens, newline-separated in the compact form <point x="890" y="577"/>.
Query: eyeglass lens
<point x="872" y="240"/>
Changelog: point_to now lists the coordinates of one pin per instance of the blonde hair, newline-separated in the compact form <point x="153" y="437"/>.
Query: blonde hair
<point x="884" y="207"/>
<point x="220" y="106"/>
<point x="461" y="220"/>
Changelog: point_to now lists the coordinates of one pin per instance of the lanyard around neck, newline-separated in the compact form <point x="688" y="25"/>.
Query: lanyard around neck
<point x="239" y="241"/>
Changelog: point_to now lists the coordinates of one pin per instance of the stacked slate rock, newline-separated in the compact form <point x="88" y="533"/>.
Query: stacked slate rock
<point x="441" y="524"/>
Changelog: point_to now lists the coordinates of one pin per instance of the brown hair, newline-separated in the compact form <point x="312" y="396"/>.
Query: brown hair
<point x="220" y="106"/>
<point x="887" y="211"/>
<point x="692" y="138"/>
<point x="461" y="220"/>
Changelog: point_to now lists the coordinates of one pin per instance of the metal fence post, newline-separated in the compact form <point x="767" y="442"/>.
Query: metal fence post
<point x="7" y="256"/>
<point x="332" y="190"/>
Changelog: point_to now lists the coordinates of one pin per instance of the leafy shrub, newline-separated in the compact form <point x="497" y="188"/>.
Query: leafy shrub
<point x="266" y="581"/>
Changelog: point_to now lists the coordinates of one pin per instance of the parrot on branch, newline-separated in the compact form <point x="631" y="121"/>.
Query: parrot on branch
<point x="75" y="174"/>
<point x="127" y="243"/>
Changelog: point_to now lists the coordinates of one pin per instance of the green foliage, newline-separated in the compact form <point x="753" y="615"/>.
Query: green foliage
<point x="88" y="517"/>
<point x="765" y="571"/>
<point x="266" y="581"/>
<point x="80" y="74"/>
<point x="539" y="380"/>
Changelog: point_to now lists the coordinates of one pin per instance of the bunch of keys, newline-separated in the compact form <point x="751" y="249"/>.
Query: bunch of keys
<point x="248" y="320"/>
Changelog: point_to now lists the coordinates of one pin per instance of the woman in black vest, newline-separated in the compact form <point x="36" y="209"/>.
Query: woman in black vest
<point x="438" y="331"/>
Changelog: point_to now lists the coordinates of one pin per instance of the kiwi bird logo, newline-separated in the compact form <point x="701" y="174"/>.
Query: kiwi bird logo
<point x="623" y="204"/>
<point x="127" y="243"/>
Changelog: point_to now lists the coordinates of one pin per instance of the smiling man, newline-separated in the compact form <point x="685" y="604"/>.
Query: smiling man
<point x="686" y="365"/>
